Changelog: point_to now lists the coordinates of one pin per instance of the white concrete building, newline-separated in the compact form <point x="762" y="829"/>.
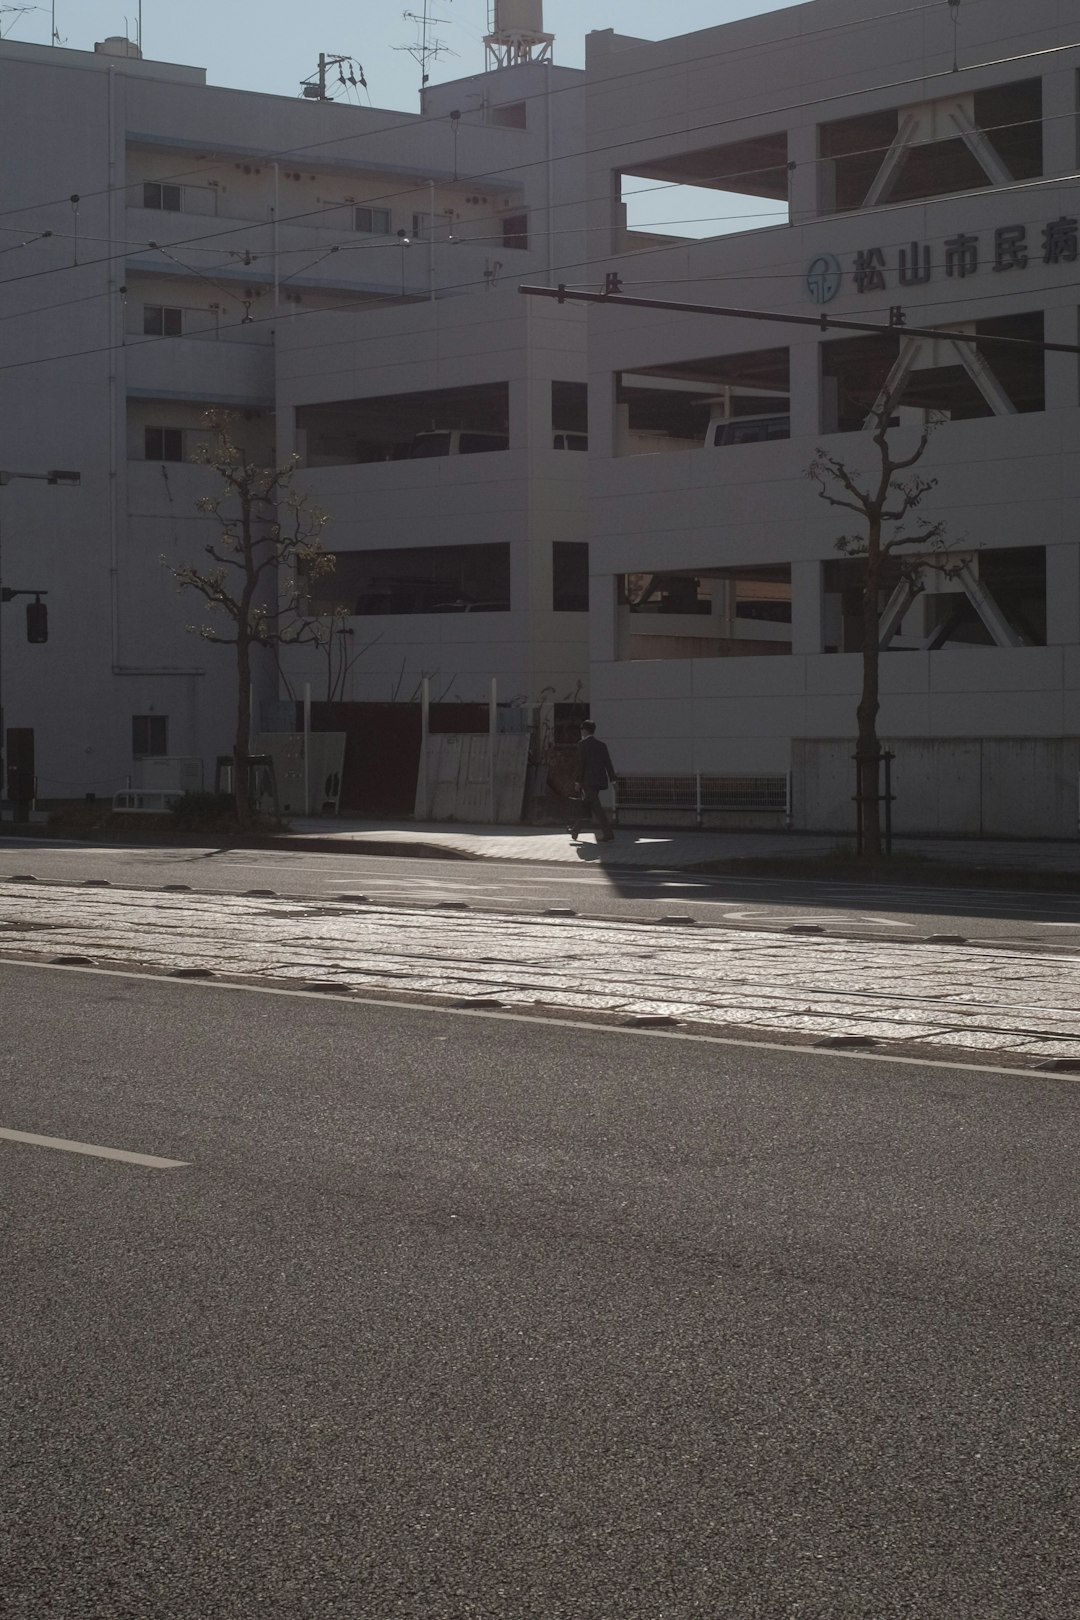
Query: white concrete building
<point x="345" y="281"/>
<point x="171" y="247"/>
<point x="723" y="639"/>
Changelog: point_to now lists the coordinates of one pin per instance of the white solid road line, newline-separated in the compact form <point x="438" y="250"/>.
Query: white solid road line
<point x="581" y="1023"/>
<point x="146" y="1159"/>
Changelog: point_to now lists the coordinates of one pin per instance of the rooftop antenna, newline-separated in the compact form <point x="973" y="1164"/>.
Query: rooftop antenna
<point x="14" y="12"/>
<point x="517" y="33"/>
<point x="426" y="50"/>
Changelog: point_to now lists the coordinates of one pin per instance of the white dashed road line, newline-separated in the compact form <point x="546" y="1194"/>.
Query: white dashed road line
<point x="91" y="1150"/>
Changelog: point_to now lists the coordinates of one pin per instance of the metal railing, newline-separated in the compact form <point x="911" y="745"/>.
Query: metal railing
<point x="699" y="794"/>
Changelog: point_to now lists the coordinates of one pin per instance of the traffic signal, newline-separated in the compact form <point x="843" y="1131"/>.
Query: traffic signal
<point x="37" y="622"/>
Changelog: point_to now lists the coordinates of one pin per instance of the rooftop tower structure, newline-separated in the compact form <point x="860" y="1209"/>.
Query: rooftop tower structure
<point x="517" y="34"/>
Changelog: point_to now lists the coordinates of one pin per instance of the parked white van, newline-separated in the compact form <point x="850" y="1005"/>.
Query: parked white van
<point x="450" y="442"/>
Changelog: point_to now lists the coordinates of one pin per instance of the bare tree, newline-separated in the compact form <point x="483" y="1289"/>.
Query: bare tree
<point x="887" y="505"/>
<point x="262" y="558"/>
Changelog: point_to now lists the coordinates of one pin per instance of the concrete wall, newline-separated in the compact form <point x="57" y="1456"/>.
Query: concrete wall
<point x="982" y="787"/>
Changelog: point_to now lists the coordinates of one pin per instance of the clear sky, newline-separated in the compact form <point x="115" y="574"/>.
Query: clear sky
<point x="271" y="45"/>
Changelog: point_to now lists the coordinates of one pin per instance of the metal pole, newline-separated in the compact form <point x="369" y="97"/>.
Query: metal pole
<point x="697" y="797"/>
<point x="431" y="239"/>
<point x="276" y="237"/>
<point x="307" y="748"/>
<point x="3" y="727"/>
<point x="493" y="727"/>
<point x="857" y="757"/>
<point x="422" y="803"/>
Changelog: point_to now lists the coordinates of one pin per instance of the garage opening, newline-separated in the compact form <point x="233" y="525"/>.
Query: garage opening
<point x="405" y="427"/>
<point x="934" y="380"/>
<point x="699" y="194"/>
<point x="416" y="579"/>
<point x="713" y="403"/>
<point x="959" y="143"/>
<point x="991" y="598"/>
<point x="738" y="612"/>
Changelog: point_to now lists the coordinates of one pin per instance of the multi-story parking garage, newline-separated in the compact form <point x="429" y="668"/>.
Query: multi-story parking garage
<point x="898" y="181"/>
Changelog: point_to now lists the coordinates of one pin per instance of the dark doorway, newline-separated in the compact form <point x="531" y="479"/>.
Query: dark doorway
<point x="382" y="753"/>
<point x="21" y="788"/>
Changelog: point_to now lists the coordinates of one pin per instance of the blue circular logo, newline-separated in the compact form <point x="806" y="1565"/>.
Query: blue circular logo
<point x="823" y="278"/>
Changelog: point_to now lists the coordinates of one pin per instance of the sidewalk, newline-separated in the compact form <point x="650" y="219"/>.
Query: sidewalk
<point x="658" y="847"/>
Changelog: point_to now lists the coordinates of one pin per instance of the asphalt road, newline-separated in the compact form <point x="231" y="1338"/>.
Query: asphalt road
<point x="447" y="1317"/>
<point x="1027" y="916"/>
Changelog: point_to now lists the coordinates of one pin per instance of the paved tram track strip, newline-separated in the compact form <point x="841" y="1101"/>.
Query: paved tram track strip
<point x="947" y="997"/>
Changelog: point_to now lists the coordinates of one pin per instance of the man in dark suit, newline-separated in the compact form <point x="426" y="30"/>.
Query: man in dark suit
<point x="594" y="772"/>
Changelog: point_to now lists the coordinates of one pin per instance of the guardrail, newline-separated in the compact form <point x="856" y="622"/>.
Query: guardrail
<point x="699" y="794"/>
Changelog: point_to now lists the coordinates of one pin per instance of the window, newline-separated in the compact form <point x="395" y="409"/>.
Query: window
<point x="515" y="231"/>
<point x="161" y="321"/>
<point x="511" y="115"/>
<point x="749" y="430"/>
<point x="478" y="444"/>
<point x="149" y="736"/>
<point x="163" y="444"/>
<point x="420" y="226"/>
<point x="372" y="221"/>
<point x="570" y="576"/>
<point x="570" y="416"/>
<point x="168" y="198"/>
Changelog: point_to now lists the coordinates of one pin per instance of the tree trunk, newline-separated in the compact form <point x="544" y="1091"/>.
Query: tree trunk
<point x="242" y="745"/>
<point x="868" y="748"/>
